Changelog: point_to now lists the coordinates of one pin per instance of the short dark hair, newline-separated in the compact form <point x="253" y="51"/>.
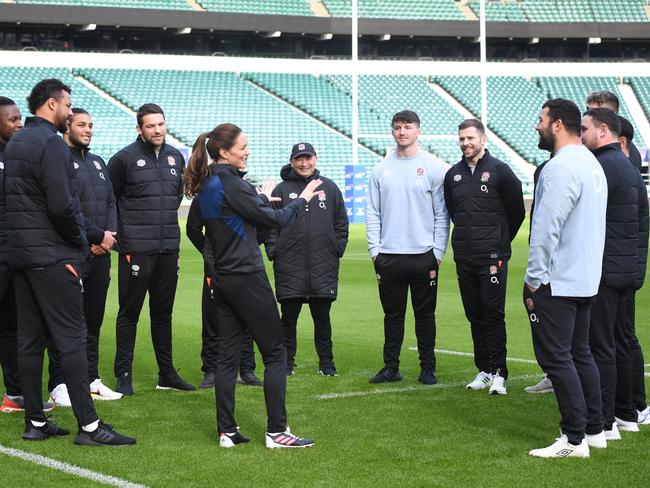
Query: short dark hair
<point x="406" y="116"/>
<point x="603" y="97"/>
<point x="602" y="115"/>
<point x="566" y="111"/>
<point x="44" y="90"/>
<point x="146" y="109"/>
<point x="627" y="130"/>
<point x="467" y="123"/>
<point x="78" y="110"/>
<point x="4" y="101"/>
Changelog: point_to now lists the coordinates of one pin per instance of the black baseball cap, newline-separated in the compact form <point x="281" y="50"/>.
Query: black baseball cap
<point x="302" y="149"/>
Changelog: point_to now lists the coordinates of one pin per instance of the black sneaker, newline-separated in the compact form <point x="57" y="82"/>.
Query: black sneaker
<point x="249" y="379"/>
<point x="386" y="375"/>
<point x="327" y="370"/>
<point x="174" y="382"/>
<point x="428" y="377"/>
<point x="33" y="433"/>
<point x="124" y="384"/>
<point x="208" y="380"/>
<point x="231" y="440"/>
<point x="103" y="435"/>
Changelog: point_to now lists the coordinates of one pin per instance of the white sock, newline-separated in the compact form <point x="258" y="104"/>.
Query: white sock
<point x="37" y="424"/>
<point x="91" y="427"/>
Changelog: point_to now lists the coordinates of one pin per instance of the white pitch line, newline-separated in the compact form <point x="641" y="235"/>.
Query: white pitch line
<point x="380" y="391"/>
<point x="68" y="468"/>
<point x="513" y="360"/>
<point x="471" y="355"/>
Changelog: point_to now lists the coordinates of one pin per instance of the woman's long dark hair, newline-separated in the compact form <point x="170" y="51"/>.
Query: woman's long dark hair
<point x="209" y="144"/>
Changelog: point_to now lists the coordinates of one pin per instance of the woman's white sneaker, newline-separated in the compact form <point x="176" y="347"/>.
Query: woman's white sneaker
<point x="99" y="391"/>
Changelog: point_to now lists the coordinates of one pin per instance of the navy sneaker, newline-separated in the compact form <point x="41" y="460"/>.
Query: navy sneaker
<point x="208" y="380"/>
<point x="103" y="435"/>
<point x="249" y="379"/>
<point x="229" y="440"/>
<point x="329" y="370"/>
<point x="124" y="384"/>
<point x="33" y="433"/>
<point x="173" y="382"/>
<point x="386" y="375"/>
<point x="428" y="377"/>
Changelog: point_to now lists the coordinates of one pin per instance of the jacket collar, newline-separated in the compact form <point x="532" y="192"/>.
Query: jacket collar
<point x="480" y="161"/>
<point x="614" y="146"/>
<point x="41" y="122"/>
<point x="149" y="148"/>
<point x="80" y="152"/>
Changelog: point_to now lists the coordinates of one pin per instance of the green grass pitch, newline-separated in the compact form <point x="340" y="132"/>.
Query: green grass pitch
<point x="401" y="434"/>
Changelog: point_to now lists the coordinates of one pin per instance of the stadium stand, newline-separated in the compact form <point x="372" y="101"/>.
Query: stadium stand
<point x="410" y="9"/>
<point x="113" y="126"/>
<point x="563" y="11"/>
<point x="265" y="7"/>
<point x="641" y="87"/>
<point x="577" y="89"/>
<point x="197" y="101"/>
<point x="143" y="4"/>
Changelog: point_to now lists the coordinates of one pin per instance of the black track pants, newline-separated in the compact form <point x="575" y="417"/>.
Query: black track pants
<point x="138" y="274"/>
<point x="8" y="337"/>
<point x="396" y="273"/>
<point x="483" y="291"/>
<point x="50" y="307"/>
<point x="560" y="330"/>
<point x="246" y="301"/>
<point x="637" y="357"/>
<point x="210" y="336"/>
<point x="320" y="314"/>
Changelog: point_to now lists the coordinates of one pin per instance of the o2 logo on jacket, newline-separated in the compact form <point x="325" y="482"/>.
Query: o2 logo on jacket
<point x="321" y="201"/>
<point x="173" y="171"/>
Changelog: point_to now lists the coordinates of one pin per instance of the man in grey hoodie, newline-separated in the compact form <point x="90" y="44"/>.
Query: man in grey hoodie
<point x="563" y="273"/>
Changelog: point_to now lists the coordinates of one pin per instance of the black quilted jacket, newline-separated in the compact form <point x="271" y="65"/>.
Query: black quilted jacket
<point x="306" y="254"/>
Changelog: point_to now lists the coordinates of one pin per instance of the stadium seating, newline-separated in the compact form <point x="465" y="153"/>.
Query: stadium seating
<point x="152" y="4"/>
<point x="577" y="89"/>
<point x="197" y="101"/>
<point x="113" y="127"/>
<point x="267" y="7"/>
<point x="564" y="11"/>
<point x="389" y="9"/>
<point x="641" y="88"/>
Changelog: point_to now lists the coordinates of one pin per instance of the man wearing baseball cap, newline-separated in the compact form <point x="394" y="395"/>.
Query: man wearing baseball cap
<point x="306" y="255"/>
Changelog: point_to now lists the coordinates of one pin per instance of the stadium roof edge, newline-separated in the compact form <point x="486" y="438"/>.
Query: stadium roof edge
<point x="71" y="60"/>
<point x="240" y="22"/>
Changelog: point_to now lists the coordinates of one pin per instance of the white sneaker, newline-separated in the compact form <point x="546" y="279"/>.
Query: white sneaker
<point x="644" y="416"/>
<point x="613" y="434"/>
<point x="498" y="385"/>
<point x="597" y="440"/>
<point x="561" y="449"/>
<point x="60" y="395"/>
<point x="481" y="381"/>
<point x="99" y="391"/>
<point x="544" y="386"/>
<point x="625" y="426"/>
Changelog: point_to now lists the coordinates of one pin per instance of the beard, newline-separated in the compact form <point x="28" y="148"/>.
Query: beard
<point x="546" y="140"/>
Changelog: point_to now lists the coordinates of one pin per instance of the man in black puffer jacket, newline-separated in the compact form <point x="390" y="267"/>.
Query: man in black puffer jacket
<point x="98" y="207"/>
<point x="47" y="243"/>
<point x="484" y="200"/>
<point x="306" y="255"/>
<point x="147" y="179"/>
<point x="610" y="336"/>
